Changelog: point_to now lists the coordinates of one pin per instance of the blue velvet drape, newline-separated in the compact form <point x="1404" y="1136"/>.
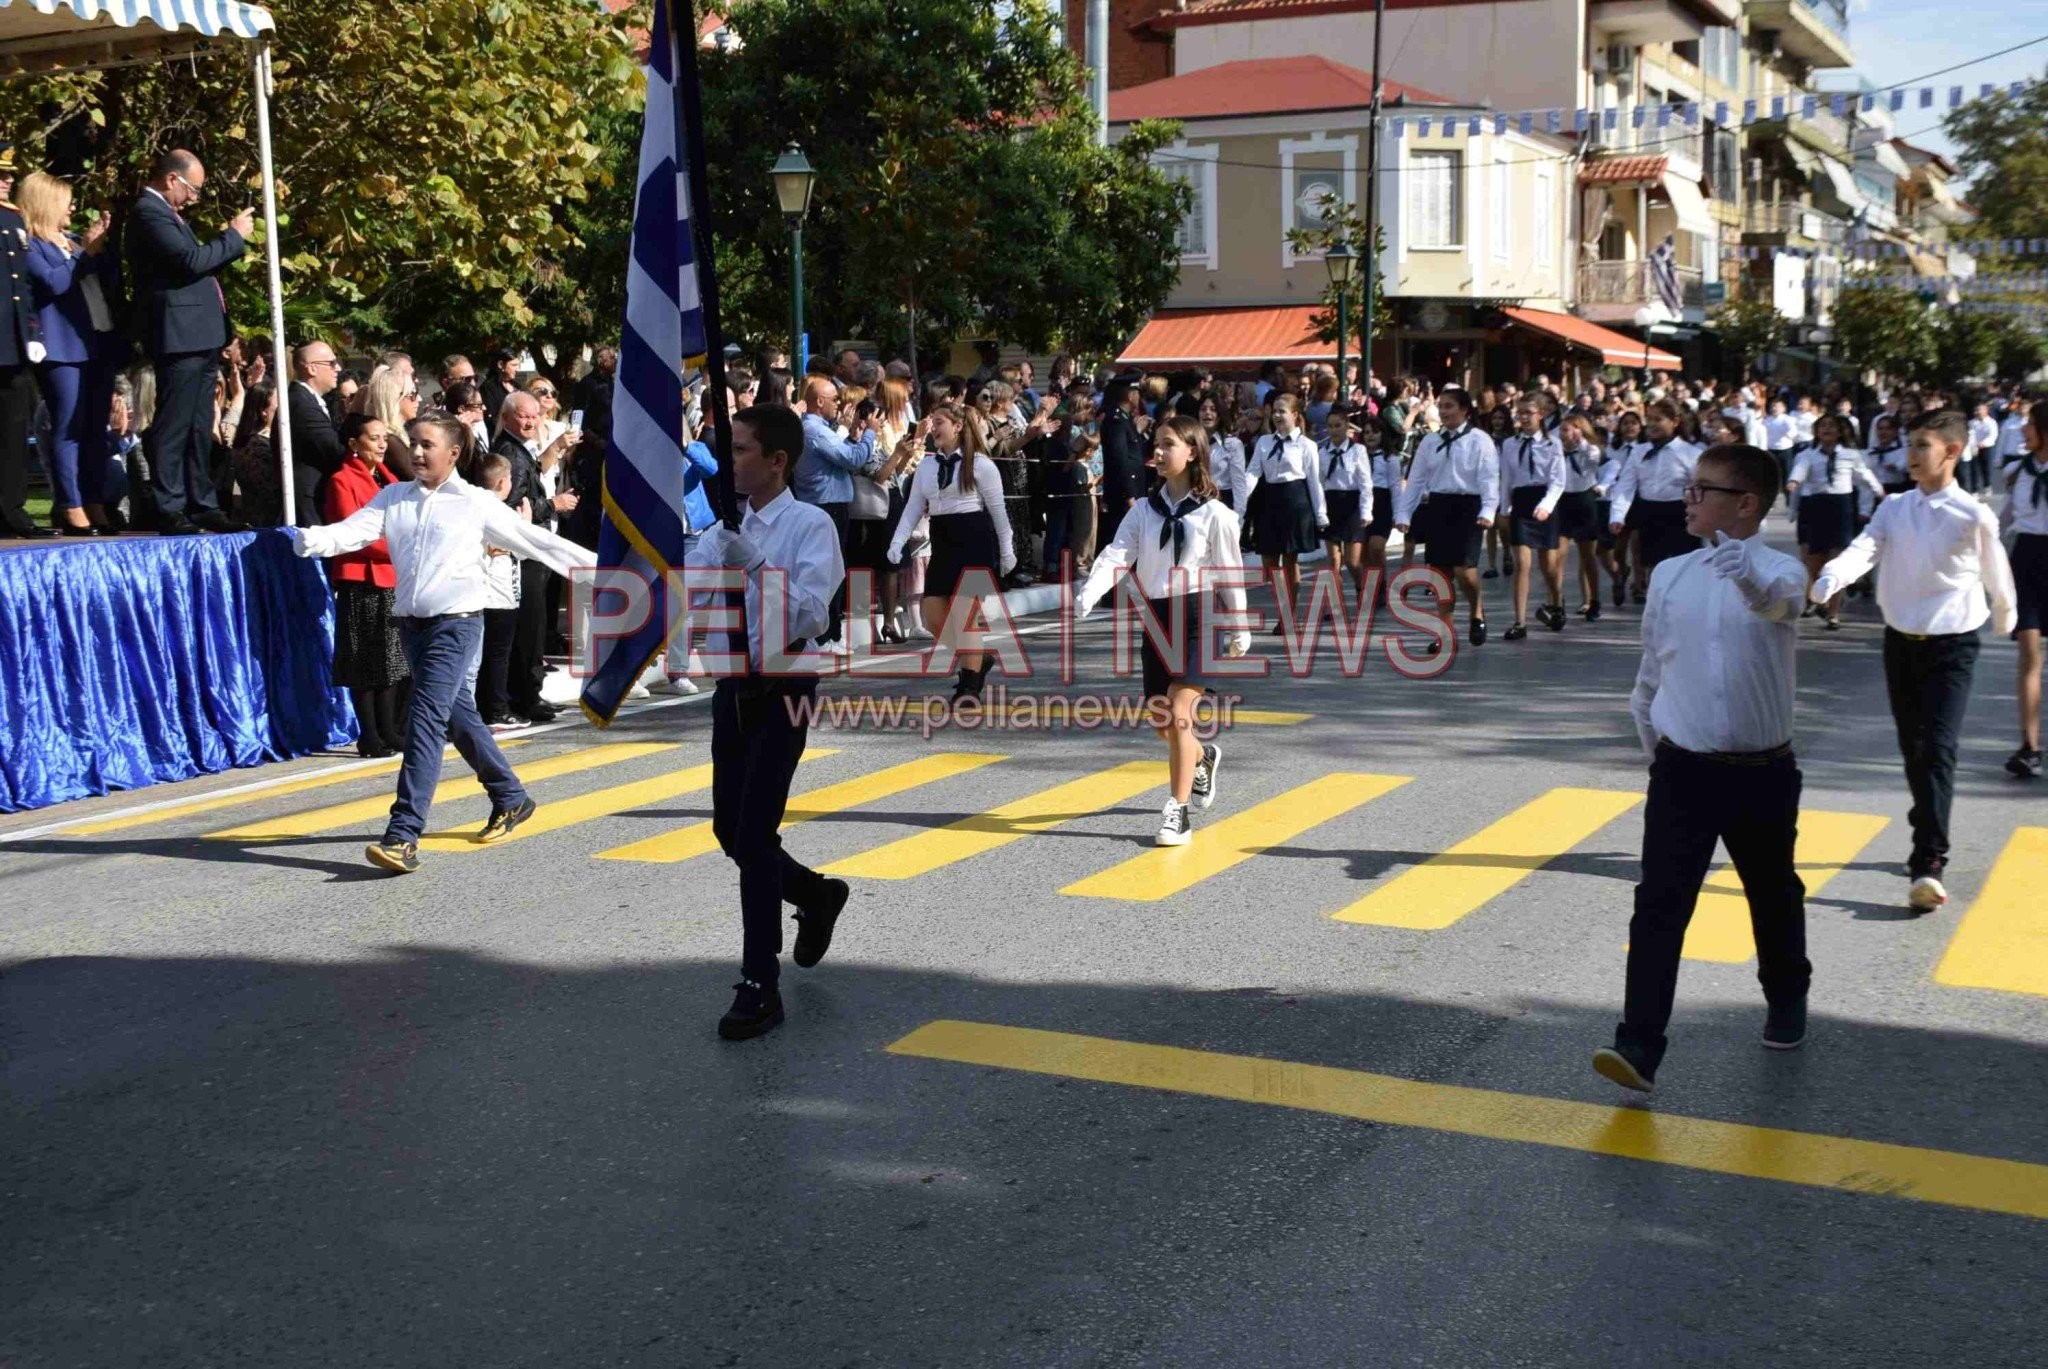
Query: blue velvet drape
<point x="133" y="661"/>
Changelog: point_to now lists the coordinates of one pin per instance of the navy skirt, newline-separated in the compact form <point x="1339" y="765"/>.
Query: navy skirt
<point x="1447" y="525"/>
<point x="1827" y="522"/>
<point x="2030" y="575"/>
<point x="1382" y="525"/>
<point x="1579" y="516"/>
<point x="960" y="542"/>
<point x="1524" y="528"/>
<point x="1345" y="524"/>
<point x="1287" y="520"/>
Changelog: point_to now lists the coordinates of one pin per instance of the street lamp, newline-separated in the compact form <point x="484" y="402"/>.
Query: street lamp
<point x="1342" y="264"/>
<point x="794" y="180"/>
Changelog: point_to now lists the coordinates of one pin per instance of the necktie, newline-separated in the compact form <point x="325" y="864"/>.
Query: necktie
<point x="2038" y="473"/>
<point x="1172" y="525"/>
<point x="1834" y="464"/>
<point x="947" y="466"/>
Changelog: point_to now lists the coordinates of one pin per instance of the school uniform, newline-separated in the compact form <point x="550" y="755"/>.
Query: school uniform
<point x="1172" y="553"/>
<point x="2028" y="506"/>
<point x="969" y="528"/>
<point x="1578" y="514"/>
<point x="1827" y="497"/>
<point x="1226" y="468"/>
<point x="1888" y="464"/>
<point x="1347" y="491"/>
<point x="1603" y="507"/>
<point x="1454" y="483"/>
<point x="1532" y="470"/>
<point x="1649" y="496"/>
<point x="1290" y="472"/>
<point x="1779" y="440"/>
<point x="1386" y="493"/>
<point x="1977" y="457"/>
<point x="1938" y="559"/>
<point x="1713" y="707"/>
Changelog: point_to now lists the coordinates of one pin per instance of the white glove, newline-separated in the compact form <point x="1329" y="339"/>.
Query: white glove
<point x="1824" y="588"/>
<point x="1239" y="644"/>
<point x="298" y="536"/>
<point x="1731" y="560"/>
<point x="1084" y="606"/>
<point x="1009" y="563"/>
<point x="722" y="546"/>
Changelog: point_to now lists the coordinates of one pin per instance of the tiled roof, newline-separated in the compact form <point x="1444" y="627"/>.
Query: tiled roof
<point x="1623" y="170"/>
<point x="1270" y="85"/>
<point x="1243" y="11"/>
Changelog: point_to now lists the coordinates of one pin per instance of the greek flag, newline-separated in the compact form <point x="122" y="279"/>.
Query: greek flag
<point x="1664" y="271"/>
<point x="644" y="523"/>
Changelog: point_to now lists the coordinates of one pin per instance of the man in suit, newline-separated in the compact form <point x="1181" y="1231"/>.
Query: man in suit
<point x="1123" y="458"/>
<point x="316" y="446"/>
<point x="21" y="347"/>
<point x="504" y="370"/>
<point x="184" y="318"/>
<point x="519" y="428"/>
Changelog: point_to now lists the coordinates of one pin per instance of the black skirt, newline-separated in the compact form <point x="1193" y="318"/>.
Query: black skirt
<point x="1603" y="514"/>
<point x="867" y="544"/>
<point x="367" y="652"/>
<point x="1382" y="525"/>
<point x="1662" y="525"/>
<point x="1579" y="517"/>
<point x="1181" y="663"/>
<point x="1524" y="528"/>
<point x="1345" y="524"/>
<point x="1827" y="522"/>
<point x="1287" y="520"/>
<point x="2030" y="576"/>
<point x="1447" y="525"/>
<point x="961" y="542"/>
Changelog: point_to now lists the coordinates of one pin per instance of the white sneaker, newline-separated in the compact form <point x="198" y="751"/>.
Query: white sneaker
<point x="509" y="725"/>
<point x="1927" y="893"/>
<point x="1174" y="824"/>
<point x="841" y="648"/>
<point x="674" y="685"/>
<point x="920" y="632"/>
<point x="1204" y="792"/>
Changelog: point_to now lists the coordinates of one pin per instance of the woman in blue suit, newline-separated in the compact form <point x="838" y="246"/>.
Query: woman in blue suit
<point x="77" y="284"/>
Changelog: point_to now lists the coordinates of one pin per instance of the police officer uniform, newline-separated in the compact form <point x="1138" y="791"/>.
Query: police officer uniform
<point x="21" y="347"/>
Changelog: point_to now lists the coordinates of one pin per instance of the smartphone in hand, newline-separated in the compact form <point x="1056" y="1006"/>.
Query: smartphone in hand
<point x="576" y="420"/>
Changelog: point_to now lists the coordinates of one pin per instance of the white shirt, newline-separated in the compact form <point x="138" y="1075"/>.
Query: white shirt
<point x="1583" y="468"/>
<point x="1654" y="472"/>
<point x="1814" y="473"/>
<point x="1888" y="464"/>
<point x="1349" y="469"/>
<point x="1386" y="470"/>
<point x="1802" y="425"/>
<point x="801" y="541"/>
<point x="436" y="539"/>
<point x="1938" y="557"/>
<point x="1461" y="462"/>
<point x="2026" y="504"/>
<point x="1983" y="435"/>
<point x="1226" y="465"/>
<point x="2012" y="437"/>
<point x="1718" y="675"/>
<point x="1209" y="542"/>
<point x="1780" y="432"/>
<point x="1534" y="461"/>
<point x="1279" y="460"/>
<point x="926" y="497"/>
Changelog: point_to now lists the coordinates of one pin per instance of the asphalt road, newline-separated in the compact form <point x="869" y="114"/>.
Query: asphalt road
<point x="267" y="1106"/>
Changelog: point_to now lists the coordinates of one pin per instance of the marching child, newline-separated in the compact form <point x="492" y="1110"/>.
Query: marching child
<point x="1452" y="494"/>
<point x="1649" y="486"/>
<point x="1938" y="560"/>
<point x="1173" y="540"/>
<point x="1291" y="518"/>
<point x="1386" y="488"/>
<point x="1825" y="477"/>
<point x="1578" y="512"/>
<point x="1887" y="456"/>
<point x="1348" y="495"/>
<point x="1532" y="470"/>
<point x="2027" y="509"/>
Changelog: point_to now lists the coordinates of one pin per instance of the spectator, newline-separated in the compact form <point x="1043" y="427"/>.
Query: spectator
<point x="316" y="446"/>
<point x="258" y="493"/>
<point x="393" y="398"/>
<point x="1123" y="458"/>
<point x="75" y="281"/>
<point x="518" y="441"/>
<point x="501" y="605"/>
<point x="369" y="660"/>
<point x="845" y="366"/>
<point x="824" y="475"/>
<point x="463" y="400"/>
<point x="498" y="384"/>
<point x="454" y="367"/>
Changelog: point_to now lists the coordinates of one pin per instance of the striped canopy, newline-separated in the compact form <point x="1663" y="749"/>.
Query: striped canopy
<point x="40" y="36"/>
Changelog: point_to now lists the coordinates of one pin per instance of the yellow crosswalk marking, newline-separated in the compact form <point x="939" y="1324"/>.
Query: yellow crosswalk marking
<point x="211" y="803"/>
<point x="361" y="811"/>
<point x="1949" y="1178"/>
<point x="1266" y="717"/>
<point x="600" y="803"/>
<point x="1447" y="886"/>
<point x="2003" y="940"/>
<point x="697" y="839"/>
<point x="925" y="852"/>
<point x="1168" y="870"/>
<point x="1720" y="929"/>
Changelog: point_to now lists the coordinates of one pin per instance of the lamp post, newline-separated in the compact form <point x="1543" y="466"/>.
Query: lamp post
<point x="794" y="180"/>
<point x="1341" y="262"/>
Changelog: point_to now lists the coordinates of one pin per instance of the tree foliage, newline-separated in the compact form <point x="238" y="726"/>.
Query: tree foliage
<point x="957" y="173"/>
<point x="1347" y="226"/>
<point x="2002" y="147"/>
<point x="2020" y="350"/>
<point x="1750" y="327"/>
<point x="1965" y="346"/>
<point x="1885" y="329"/>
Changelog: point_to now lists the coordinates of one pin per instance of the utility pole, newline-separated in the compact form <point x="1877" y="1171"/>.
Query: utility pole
<point x="1098" y="67"/>
<point x="1370" y="248"/>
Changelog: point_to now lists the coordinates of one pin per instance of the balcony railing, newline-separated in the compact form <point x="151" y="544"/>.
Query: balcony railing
<point x="1793" y="220"/>
<point x="1630" y="282"/>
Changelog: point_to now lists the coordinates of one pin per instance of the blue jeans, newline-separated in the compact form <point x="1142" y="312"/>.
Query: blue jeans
<point x="80" y="396"/>
<point x="443" y="654"/>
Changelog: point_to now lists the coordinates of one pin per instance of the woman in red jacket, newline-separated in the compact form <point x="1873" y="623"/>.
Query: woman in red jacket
<point x="368" y="659"/>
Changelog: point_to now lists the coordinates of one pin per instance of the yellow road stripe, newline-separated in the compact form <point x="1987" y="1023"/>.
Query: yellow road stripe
<point x="1266" y="717"/>
<point x="2003" y="940"/>
<point x="697" y="839"/>
<point x="925" y="852"/>
<point x="1484" y="866"/>
<point x="214" y="802"/>
<point x="1168" y="870"/>
<point x="599" y="803"/>
<point x="1720" y="929"/>
<point x="1928" y="1176"/>
<point x="361" y="811"/>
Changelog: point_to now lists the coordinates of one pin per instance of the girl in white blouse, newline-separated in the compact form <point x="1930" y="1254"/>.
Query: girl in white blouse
<point x="1226" y="456"/>
<point x="959" y="487"/>
<point x="1825" y="476"/>
<point x="1291" y="520"/>
<point x="1348" y="496"/>
<point x="1175" y="541"/>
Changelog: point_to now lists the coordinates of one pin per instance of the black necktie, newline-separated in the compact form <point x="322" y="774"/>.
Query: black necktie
<point x="947" y="466"/>
<point x="1172" y="527"/>
<point x="1834" y="463"/>
<point x="1651" y="455"/>
<point x="2038" y="472"/>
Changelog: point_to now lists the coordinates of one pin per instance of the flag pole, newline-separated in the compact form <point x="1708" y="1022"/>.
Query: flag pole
<point x="690" y="144"/>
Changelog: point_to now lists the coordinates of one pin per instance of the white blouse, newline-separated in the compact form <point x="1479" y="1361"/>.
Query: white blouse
<point x="1280" y="461"/>
<point x="1461" y="462"/>
<point x="1208" y="543"/>
<point x="1528" y="461"/>
<point x="926" y="496"/>
<point x="1654" y="472"/>
<point x="1349" y="469"/>
<point x="1812" y="474"/>
<point x="1226" y="465"/>
<point x="1583" y="468"/>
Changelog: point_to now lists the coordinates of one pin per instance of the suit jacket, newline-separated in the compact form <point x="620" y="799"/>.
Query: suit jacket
<point x="1123" y="457"/>
<point x="316" y="450"/>
<point x="18" y="323"/>
<point x="66" y="321"/>
<point x="178" y="303"/>
<point x="525" y="479"/>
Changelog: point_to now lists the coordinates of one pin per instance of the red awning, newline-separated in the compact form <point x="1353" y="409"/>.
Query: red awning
<point x="1616" y="349"/>
<point x="1184" y="337"/>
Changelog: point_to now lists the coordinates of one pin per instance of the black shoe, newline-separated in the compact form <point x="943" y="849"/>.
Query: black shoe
<point x="1491" y="575"/>
<point x="1478" y="633"/>
<point x="1639" y="595"/>
<point x="372" y="748"/>
<point x="538" y="712"/>
<point x="1591" y="612"/>
<point x="399" y="857"/>
<point x="1620" y="596"/>
<point x="2024" y="764"/>
<point x="754" y="1010"/>
<point x="213" y="520"/>
<point x="1203" y="792"/>
<point x="814" y="925"/>
<point x="503" y="820"/>
<point x="1556" y="616"/>
<point x="1833" y="624"/>
<point x="73" y="530"/>
<point x="176" y="525"/>
<point x="1624" y="1065"/>
<point x="1515" y="633"/>
<point x="1785" y="1026"/>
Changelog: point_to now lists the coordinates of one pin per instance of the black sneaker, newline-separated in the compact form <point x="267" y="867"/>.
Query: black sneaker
<point x="503" y="820"/>
<point x="1204" y="792"/>
<point x="1478" y="633"/>
<point x="399" y="857"/>
<point x="814" y="925"/>
<point x="1785" y="1026"/>
<point x="1625" y="1066"/>
<point x="1491" y="575"/>
<point x="1556" y="612"/>
<point x="1620" y="594"/>
<point x="538" y="712"/>
<point x="1174" y="825"/>
<point x="1515" y="633"/>
<point x="2024" y="764"/>
<point x="754" y="1010"/>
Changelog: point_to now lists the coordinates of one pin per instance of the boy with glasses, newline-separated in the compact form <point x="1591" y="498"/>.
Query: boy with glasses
<point x="1713" y="707"/>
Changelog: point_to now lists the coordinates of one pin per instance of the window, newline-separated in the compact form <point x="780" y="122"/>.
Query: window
<point x="1724" y="164"/>
<point x="1542" y="225"/>
<point x="1436" y="208"/>
<point x="1194" y="167"/>
<point x="1499" y="220"/>
<point x="1720" y="56"/>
